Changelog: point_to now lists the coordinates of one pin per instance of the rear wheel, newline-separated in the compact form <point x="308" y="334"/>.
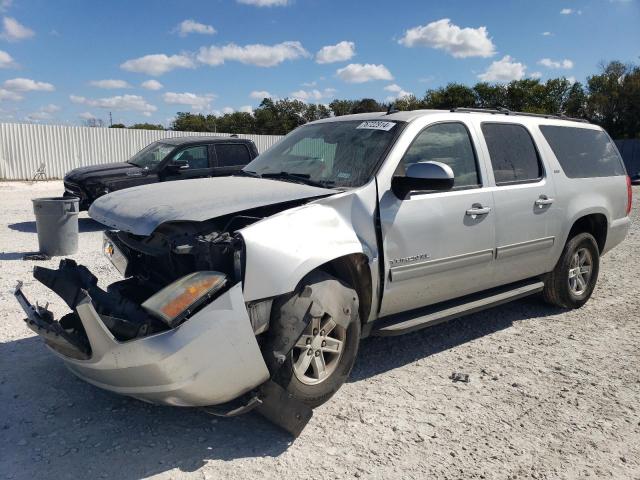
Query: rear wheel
<point x="573" y="279"/>
<point x="322" y="358"/>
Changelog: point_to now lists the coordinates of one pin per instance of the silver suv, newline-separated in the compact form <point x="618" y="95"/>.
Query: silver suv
<point x="253" y="291"/>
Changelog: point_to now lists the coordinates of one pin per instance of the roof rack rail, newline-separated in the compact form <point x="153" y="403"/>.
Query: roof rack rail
<point x="505" y="111"/>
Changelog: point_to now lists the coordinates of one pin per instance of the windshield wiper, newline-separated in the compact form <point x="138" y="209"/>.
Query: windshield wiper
<point x="246" y="173"/>
<point x="298" y="177"/>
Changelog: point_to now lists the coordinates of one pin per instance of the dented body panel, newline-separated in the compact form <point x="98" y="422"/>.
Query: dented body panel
<point x="308" y="237"/>
<point x="174" y="367"/>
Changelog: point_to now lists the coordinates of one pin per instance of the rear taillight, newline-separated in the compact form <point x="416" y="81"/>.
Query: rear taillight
<point x="629" y="195"/>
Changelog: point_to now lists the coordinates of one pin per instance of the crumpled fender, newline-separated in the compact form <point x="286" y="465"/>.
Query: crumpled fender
<point x="280" y="250"/>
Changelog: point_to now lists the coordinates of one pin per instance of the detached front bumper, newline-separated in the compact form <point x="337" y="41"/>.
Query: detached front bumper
<point x="211" y="358"/>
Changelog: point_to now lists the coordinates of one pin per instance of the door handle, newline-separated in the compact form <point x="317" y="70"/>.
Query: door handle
<point x="477" y="209"/>
<point x="543" y="201"/>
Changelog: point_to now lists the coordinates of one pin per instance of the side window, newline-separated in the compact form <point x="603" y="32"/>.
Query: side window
<point x="232" y="154"/>
<point x="194" y="157"/>
<point x="583" y="152"/>
<point x="513" y="154"/>
<point x="447" y="143"/>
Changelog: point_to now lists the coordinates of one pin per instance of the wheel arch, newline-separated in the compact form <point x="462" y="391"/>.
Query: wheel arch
<point x="595" y="223"/>
<point x="354" y="270"/>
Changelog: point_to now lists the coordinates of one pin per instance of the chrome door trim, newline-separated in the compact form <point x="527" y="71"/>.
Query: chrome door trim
<point x="406" y="272"/>
<point x="524" y="247"/>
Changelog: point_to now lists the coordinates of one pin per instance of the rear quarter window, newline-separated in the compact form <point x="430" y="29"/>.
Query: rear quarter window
<point x="583" y="152"/>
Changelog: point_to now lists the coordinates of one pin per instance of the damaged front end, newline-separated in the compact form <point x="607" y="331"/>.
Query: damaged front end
<point x="176" y="331"/>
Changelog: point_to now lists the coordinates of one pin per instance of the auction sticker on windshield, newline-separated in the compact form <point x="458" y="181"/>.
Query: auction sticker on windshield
<point x="377" y="125"/>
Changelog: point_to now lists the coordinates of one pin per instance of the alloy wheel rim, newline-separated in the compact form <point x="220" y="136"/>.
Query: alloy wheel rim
<point x="317" y="352"/>
<point x="580" y="270"/>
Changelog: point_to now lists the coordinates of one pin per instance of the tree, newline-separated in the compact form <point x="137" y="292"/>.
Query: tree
<point x="452" y="96"/>
<point x="341" y="107"/>
<point x="613" y="99"/>
<point x="118" y="125"/>
<point x="190" y="122"/>
<point x="368" y="105"/>
<point x="147" y="126"/>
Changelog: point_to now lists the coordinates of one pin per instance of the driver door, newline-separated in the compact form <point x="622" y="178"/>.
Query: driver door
<point x="190" y="162"/>
<point x="438" y="245"/>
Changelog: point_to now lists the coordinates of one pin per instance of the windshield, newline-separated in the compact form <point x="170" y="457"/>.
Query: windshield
<point x="151" y="155"/>
<point x="333" y="154"/>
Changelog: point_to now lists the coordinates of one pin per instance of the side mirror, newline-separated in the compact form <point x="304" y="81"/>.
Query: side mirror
<point x="176" y="165"/>
<point x="425" y="176"/>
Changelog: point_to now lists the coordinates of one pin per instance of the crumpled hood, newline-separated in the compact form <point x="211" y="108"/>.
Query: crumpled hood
<point x="101" y="171"/>
<point x="140" y="210"/>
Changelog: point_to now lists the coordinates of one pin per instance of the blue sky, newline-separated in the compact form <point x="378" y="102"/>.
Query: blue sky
<point x="68" y="60"/>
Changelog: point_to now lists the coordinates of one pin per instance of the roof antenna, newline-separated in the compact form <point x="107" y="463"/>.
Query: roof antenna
<point x="392" y="109"/>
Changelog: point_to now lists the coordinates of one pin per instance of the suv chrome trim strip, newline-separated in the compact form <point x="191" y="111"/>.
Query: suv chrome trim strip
<point x="405" y="272"/>
<point x="524" y="247"/>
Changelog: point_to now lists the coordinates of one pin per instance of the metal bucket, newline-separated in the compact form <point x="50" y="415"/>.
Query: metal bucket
<point x="57" y="224"/>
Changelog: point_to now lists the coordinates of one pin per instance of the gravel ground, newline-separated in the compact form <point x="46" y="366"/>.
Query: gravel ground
<point x="552" y="394"/>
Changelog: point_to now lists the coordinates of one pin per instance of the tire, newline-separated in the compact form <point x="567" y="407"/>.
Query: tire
<point x="289" y="376"/>
<point x="562" y="287"/>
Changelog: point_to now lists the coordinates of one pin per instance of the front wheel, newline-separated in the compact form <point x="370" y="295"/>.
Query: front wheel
<point x="322" y="358"/>
<point x="573" y="279"/>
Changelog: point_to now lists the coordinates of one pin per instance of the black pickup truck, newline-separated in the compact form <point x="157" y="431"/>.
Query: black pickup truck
<point x="162" y="161"/>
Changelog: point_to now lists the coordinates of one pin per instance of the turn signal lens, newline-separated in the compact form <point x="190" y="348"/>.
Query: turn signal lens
<point x="177" y="300"/>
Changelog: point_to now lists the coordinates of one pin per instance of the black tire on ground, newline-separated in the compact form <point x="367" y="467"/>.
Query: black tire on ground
<point x="557" y="290"/>
<point x="316" y="394"/>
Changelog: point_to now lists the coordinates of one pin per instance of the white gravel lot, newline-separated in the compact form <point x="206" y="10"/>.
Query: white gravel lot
<point x="553" y="394"/>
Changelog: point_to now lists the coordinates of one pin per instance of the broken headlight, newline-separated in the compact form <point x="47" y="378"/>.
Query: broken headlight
<point x="177" y="300"/>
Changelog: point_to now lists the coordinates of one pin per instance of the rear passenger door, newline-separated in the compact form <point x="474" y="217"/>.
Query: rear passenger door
<point x="230" y="157"/>
<point x="527" y="220"/>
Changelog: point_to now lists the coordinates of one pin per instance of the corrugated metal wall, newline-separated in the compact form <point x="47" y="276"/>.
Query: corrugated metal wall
<point x="630" y="151"/>
<point x="23" y="147"/>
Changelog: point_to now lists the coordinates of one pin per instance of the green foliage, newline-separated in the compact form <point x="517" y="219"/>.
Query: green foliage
<point x="118" y="125"/>
<point x="147" y="126"/>
<point x="610" y="99"/>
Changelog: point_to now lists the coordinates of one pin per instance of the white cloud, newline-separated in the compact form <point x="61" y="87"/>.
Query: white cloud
<point x="571" y="79"/>
<point x="246" y="109"/>
<point x="339" y="52"/>
<point x="570" y="11"/>
<point x="13" y="30"/>
<point x="227" y="110"/>
<point x="397" y="91"/>
<point x="265" y="3"/>
<point x="133" y="103"/>
<point x="157" y="64"/>
<point x="186" y="27"/>
<point x="565" y="64"/>
<point x="546" y="34"/>
<point x="536" y="75"/>
<point x="313" y="95"/>
<point x="51" y="108"/>
<point x="257" y="54"/>
<point x="152" y="85"/>
<point x="9" y="95"/>
<point x="260" y="94"/>
<point x="358" y="73"/>
<point x="504" y="70"/>
<point x="196" y="102"/>
<point x="86" y="116"/>
<point x="109" y="84"/>
<point x="5" y="5"/>
<point x="6" y="60"/>
<point x="27" y="85"/>
<point x="444" y="35"/>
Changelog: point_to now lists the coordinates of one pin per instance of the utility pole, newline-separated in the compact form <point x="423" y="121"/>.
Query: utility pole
<point x="110" y="120"/>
